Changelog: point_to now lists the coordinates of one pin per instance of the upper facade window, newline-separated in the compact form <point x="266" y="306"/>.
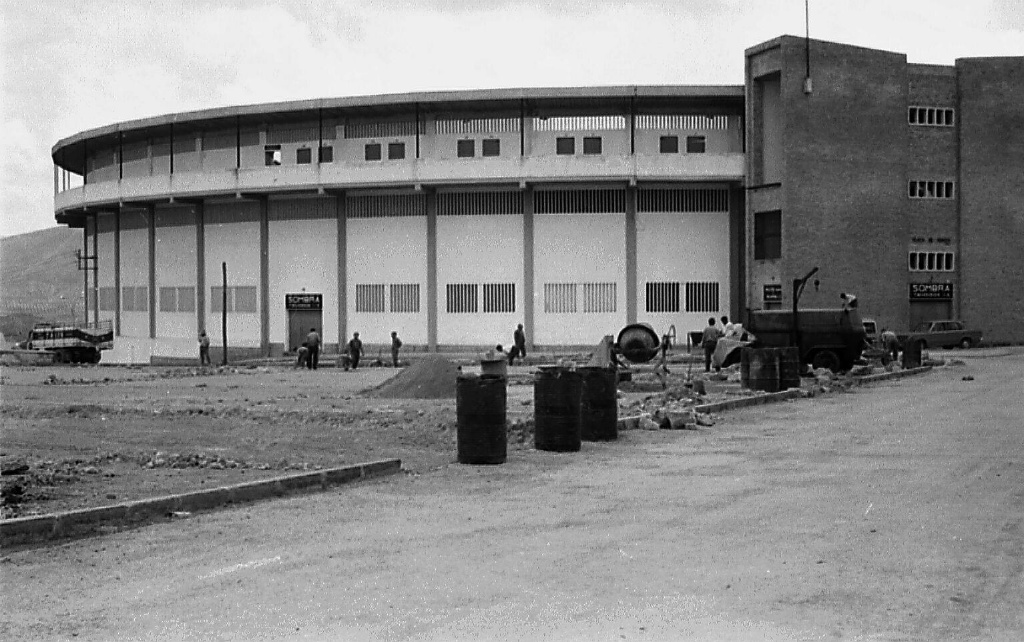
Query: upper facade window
<point x="931" y="189"/>
<point x="591" y="144"/>
<point x="565" y="145"/>
<point x="465" y="148"/>
<point x="696" y="144"/>
<point x="372" y="152"/>
<point x="934" y="116"/>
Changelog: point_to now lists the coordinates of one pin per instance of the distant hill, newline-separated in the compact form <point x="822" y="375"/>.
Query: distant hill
<point x="36" y="269"/>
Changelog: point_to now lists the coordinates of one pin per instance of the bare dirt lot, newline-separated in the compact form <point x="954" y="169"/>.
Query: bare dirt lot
<point x="86" y="436"/>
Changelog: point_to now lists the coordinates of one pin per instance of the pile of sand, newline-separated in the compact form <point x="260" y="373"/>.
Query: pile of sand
<point x="430" y="378"/>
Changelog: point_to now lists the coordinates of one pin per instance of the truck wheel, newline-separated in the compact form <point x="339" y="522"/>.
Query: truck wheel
<point x="826" y="359"/>
<point x="965" y="343"/>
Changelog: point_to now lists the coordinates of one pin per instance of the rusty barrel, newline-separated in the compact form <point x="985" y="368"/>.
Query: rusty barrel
<point x="480" y="410"/>
<point x="789" y="368"/>
<point x="912" y="353"/>
<point x="599" y="406"/>
<point x="556" y="407"/>
<point x="759" y="369"/>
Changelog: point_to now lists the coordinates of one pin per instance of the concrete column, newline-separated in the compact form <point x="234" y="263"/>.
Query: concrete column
<point x="96" y="268"/>
<point x="151" y="217"/>
<point x="265" y="276"/>
<point x="342" y="240"/>
<point x="631" y="254"/>
<point x="529" y="291"/>
<point x="738" y="254"/>
<point x="431" y="271"/>
<point x="200" y="209"/>
<point x="117" y="271"/>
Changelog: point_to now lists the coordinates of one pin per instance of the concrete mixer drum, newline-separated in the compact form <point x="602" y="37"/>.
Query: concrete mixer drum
<point x="638" y="343"/>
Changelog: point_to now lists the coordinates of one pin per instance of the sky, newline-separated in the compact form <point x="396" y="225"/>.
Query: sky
<point x="66" y="67"/>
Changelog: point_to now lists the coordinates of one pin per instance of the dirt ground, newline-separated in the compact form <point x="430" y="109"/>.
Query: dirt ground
<point x="86" y="436"/>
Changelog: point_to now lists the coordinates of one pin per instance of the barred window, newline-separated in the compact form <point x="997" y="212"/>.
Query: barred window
<point x="559" y="298"/>
<point x="380" y="130"/>
<point x="681" y="121"/>
<point x="135" y="298"/>
<point x="702" y="297"/>
<point x="663" y="297"/>
<point x="585" y="201"/>
<point x="599" y="297"/>
<point x="690" y="199"/>
<point x="462" y="297"/>
<point x="931" y="189"/>
<point x="178" y="299"/>
<point x="476" y="125"/>
<point x="932" y="261"/>
<point x="108" y="298"/>
<point x="935" y="116"/>
<point x="405" y="297"/>
<point x="240" y="298"/>
<point x="369" y="297"/>
<point x="578" y="123"/>
<point x="499" y="297"/>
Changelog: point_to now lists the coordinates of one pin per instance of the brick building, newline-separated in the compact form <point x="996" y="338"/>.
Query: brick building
<point x="452" y="216"/>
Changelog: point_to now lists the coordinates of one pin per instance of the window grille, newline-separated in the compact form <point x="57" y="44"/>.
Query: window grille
<point x="383" y="205"/>
<point x="369" y="297"/>
<point x="177" y="299"/>
<point x="935" y="116"/>
<point x="456" y="203"/>
<point x="135" y="298"/>
<point x="168" y="299"/>
<point x="683" y="200"/>
<point x="292" y="133"/>
<point x="932" y="261"/>
<point x="663" y="296"/>
<point x="405" y="297"/>
<point x="380" y="130"/>
<point x="931" y="189"/>
<point x="559" y="298"/>
<point x="593" y="201"/>
<point x="462" y="297"/>
<point x="499" y="297"/>
<point x="578" y="123"/>
<point x="108" y="299"/>
<point x="702" y="297"/>
<point x="599" y="297"/>
<point x="217" y="301"/>
<point x="245" y="298"/>
<point x="681" y="121"/>
<point x="476" y="125"/>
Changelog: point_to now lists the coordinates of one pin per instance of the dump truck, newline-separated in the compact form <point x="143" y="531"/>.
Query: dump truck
<point x="829" y="338"/>
<point x="72" y="343"/>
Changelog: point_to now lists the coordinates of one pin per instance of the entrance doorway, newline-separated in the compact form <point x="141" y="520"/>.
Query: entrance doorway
<point x="922" y="311"/>
<point x="304" y="311"/>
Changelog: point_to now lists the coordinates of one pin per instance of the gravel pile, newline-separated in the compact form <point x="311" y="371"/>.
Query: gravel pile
<point x="429" y="378"/>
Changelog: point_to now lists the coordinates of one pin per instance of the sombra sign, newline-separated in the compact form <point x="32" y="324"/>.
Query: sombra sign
<point x="931" y="291"/>
<point x="303" y="301"/>
<point x="772" y="293"/>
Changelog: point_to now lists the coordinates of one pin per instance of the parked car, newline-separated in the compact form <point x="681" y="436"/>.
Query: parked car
<point x="942" y="334"/>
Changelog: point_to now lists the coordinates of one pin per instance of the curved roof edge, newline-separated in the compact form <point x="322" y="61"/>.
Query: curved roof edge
<point x="453" y="98"/>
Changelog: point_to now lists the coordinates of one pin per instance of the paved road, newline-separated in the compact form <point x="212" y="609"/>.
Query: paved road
<point x="889" y="513"/>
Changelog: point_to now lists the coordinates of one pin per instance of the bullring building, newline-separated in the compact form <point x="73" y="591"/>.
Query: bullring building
<point x="450" y="217"/>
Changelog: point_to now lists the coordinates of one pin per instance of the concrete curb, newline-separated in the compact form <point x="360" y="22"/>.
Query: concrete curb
<point x="898" y="374"/>
<point x="80" y="523"/>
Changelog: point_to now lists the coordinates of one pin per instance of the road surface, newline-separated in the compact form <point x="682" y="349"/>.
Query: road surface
<point x="892" y="512"/>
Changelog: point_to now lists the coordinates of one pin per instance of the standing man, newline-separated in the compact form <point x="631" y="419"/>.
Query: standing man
<point x="396" y="343"/>
<point x="728" y="329"/>
<point x="313" y="343"/>
<point x="709" y="341"/>
<point x="204" y="349"/>
<point x="355" y="350"/>
<point x="519" y="349"/>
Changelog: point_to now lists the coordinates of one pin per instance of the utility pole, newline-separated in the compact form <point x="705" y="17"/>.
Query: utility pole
<point x="224" y="311"/>
<point x="798" y="288"/>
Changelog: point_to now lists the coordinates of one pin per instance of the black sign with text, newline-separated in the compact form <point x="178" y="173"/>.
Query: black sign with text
<point x="772" y="293"/>
<point x="303" y="301"/>
<point x="931" y="291"/>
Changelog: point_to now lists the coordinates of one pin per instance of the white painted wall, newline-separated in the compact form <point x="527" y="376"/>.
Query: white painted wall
<point x="303" y="257"/>
<point x="238" y="244"/>
<point x="479" y="249"/>
<point x="387" y="250"/>
<point x="578" y="248"/>
<point x="682" y="247"/>
<point x="175" y="267"/>
<point x="105" y="252"/>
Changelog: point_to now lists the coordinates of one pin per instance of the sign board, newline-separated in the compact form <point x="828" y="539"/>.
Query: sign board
<point x="303" y="301"/>
<point x="931" y="291"/>
<point x="772" y="293"/>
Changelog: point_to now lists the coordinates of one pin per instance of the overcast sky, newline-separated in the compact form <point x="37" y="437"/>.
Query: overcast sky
<point x="71" y="66"/>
